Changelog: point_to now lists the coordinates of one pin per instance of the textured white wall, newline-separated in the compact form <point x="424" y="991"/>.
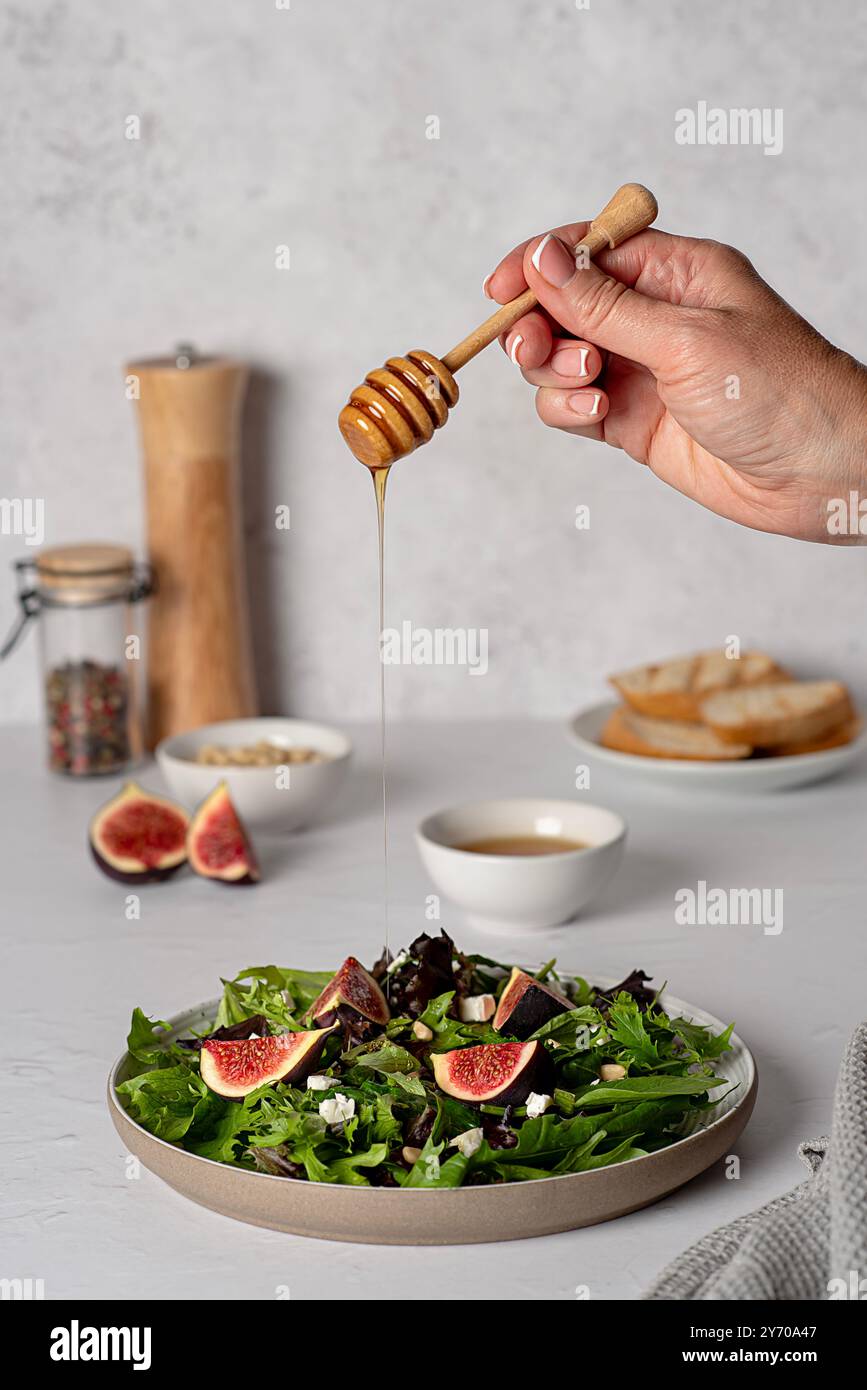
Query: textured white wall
<point x="306" y="126"/>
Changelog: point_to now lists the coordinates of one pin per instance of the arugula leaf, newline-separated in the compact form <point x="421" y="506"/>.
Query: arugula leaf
<point x="516" y="1172"/>
<point x="410" y="1085"/>
<point x="706" y="1046"/>
<point x="581" y="992"/>
<point x="436" y="1010"/>
<point x="393" y="1062"/>
<point x="453" y="1117"/>
<point x="564" y="1101"/>
<point x="572" y="1161"/>
<point x="546" y="1136"/>
<point x="620" y="1154"/>
<point x="646" y="1088"/>
<point x="389" y="1058"/>
<point x="650" y="1116"/>
<point x="450" y="1032"/>
<point x="626" y="1026"/>
<point x="386" y="1127"/>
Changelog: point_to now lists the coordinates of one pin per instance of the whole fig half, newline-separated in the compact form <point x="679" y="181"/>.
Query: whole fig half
<point x="138" y="837"/>
<point x="234" y="1069"/>
<point x="525" y="1004"/>
<point x="352" y="985"/>
<point x="502" y="1072"/>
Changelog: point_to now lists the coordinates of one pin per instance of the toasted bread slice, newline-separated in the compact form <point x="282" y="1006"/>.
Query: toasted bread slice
<point x="778" y="713"/>
<point x="835" y="739"/>
<point x="628" y="732"/>
<point x="674" y="689"/>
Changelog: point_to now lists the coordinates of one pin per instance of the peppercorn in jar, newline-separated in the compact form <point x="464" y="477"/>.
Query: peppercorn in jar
<point x="90" y="654"/>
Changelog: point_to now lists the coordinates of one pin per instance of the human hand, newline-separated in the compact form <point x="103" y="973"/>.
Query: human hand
<point x="686" y="359"/>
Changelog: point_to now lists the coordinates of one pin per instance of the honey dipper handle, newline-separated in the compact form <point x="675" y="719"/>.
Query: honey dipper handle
<point x="632" y="208"/>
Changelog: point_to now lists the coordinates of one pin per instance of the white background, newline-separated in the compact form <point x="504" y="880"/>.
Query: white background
<point x="306" y="127"/>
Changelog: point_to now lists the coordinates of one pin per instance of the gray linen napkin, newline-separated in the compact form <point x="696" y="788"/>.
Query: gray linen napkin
<point x="798" y="1245"/>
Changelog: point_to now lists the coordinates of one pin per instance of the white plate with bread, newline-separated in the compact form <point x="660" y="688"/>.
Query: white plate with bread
<point x="720" y="721"/>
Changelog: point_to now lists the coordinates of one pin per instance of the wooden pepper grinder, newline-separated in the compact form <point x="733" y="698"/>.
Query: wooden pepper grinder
<point x="200" y="659"/>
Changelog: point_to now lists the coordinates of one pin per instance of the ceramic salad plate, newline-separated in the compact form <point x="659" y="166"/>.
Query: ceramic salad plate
<point x="491" y="1202"/>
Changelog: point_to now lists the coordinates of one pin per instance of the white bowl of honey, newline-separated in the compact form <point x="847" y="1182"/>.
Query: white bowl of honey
<point x="524" y="863"/>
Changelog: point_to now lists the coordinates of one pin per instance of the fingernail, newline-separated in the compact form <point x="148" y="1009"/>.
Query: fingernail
<point x="485" y="290"/>
<point x="554" y="261"/>
<point x="570" y="361"/>
<point x="512" y="345"/>
<point x="585" y="402"/>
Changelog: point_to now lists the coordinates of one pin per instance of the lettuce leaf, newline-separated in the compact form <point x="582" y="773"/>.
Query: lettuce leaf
<point x="167" y="1101"/>
<point x="144" y="1043"/>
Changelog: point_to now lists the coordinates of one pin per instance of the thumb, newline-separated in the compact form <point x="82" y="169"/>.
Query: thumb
<point x="595" y="306"/>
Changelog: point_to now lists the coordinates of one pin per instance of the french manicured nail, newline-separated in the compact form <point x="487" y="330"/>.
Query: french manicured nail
<point x="554" y="262"/>
<point x="585" y="402"/>
<point x="570" y="361"/>
<point x="512" y="346"/>
<point x="485" y="290"/>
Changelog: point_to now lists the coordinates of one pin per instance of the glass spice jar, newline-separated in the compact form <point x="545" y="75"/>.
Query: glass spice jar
<point x="90" y="653"/>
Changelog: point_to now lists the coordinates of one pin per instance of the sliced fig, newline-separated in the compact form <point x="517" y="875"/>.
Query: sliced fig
<point x="525" y="1004"/>
<point x="138" y="837"/>
<point x="234" y="1069"/>
<point x="230" y="1032"/>
<point x="218" y="845"/>
<point x="503" y="1072"/>
<point x="352" y="985"/>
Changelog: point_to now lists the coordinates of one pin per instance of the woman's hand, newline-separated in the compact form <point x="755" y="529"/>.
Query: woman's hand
<point x="683" y="356"/>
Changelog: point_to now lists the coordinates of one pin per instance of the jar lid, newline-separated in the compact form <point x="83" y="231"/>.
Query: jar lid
<point x="90" y="573"/>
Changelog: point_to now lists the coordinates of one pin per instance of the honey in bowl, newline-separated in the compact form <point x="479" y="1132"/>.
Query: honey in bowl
<point x="521" y="845"/>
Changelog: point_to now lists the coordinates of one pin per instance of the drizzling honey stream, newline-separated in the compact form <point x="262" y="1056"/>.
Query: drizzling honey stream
<point x="400" y="405"/>
<point x="380" y="480"/>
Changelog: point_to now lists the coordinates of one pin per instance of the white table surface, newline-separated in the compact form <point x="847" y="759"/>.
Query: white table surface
<point x="73" y="967"/>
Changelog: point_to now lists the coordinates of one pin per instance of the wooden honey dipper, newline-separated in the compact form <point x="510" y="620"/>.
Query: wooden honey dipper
<point x="400" y="405"/>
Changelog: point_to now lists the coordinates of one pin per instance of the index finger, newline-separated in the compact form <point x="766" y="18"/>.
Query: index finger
<point x="507" y="280"/>
<point x="657" y="264"/>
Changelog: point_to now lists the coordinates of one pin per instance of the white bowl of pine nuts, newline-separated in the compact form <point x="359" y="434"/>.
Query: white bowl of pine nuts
<point x="281" y="773"/>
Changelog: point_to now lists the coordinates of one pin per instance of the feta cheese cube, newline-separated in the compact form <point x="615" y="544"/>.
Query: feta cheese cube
<point x="469" y="1142"/>
<point x="320" y="1083"/>
<point x="537" y="1104"/>
<point x="337" y="1109"/>
<point x="477" y="1008"/>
